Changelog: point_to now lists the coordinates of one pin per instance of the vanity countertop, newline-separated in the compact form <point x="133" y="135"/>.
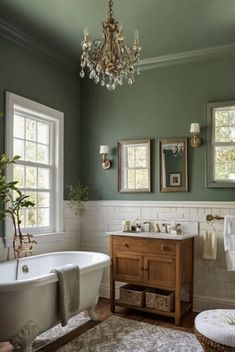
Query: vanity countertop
<point x="166" y="236"/>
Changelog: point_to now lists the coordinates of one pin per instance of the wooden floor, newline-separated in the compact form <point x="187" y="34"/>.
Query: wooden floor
<point x="187" y="323"/>
<point x="103" y="312"/>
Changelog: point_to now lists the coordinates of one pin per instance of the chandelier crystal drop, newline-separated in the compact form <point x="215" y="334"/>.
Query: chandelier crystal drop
<point x="109" y="60"/>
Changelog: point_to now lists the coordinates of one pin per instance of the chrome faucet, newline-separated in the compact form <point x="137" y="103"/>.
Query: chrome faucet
<point x="164" y="228"/>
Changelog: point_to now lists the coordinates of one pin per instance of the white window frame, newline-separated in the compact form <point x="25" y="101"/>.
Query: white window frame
<point x="50" y="115"/>
<point x="123" y="168"/>
<point x="211" y="144"/>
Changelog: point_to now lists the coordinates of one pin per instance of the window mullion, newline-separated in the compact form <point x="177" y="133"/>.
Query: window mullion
<point x="33" y="164"/>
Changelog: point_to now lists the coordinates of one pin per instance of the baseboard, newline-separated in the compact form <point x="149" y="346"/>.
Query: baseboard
<point x="105" y="290"/>
<point x="200" y="302"/>
<point x="207" y="302"/>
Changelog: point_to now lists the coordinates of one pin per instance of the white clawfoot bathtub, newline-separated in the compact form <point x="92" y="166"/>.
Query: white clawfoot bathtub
<point x="34" y="296"/>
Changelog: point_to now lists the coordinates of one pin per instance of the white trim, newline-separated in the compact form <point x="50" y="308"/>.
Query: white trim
<point x="57" y="118"/>
<point x="209" y="302"/>
<point x="162" y="204"/>
<point x="188" y="56"/>
<point x="104" y="290"/>
<point x="12" y="33"/>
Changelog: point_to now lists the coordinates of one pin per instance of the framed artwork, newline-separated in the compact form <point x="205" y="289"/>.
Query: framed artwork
<point x="175" y="179"/>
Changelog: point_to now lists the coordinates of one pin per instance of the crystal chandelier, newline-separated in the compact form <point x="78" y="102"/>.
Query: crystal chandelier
<point x="109" y="61"/>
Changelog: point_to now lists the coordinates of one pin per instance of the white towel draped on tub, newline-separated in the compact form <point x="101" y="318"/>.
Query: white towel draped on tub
<point x="69" y="291"/>
<point x="210" y="244"/>
<point x="229" y="241"/>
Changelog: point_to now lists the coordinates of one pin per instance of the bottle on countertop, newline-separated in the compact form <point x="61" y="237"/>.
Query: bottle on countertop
<point x="157" y="228"/>
<point x="138" y="226"/>
<point x="126" y="225"/>
<point x="178" y="229"/>
<point x="164" y="228"/>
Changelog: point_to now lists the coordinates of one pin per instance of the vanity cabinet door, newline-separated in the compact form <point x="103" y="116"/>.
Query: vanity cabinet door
<point x="128" y="267"/>
<point x="159" y="271"/>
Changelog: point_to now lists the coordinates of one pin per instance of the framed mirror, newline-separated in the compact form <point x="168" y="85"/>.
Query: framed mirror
<point x="173" y="160"/>
<point x="134" y="166"/>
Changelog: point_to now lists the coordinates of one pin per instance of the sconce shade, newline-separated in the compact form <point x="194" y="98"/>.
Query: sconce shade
<point x="104" y="149"/>
<point x="195" y="127"/>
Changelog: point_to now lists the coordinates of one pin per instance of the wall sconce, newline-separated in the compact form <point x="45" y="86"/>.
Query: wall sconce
<point x="106" y="163"/>
<point x="196" y="140"/>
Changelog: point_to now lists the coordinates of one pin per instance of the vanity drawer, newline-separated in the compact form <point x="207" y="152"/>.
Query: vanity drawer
<point x="143" y="245"/>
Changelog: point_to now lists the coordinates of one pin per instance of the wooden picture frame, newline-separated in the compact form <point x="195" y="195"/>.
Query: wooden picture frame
<point x="175" y="179"/>
<point x="134" y="166"/>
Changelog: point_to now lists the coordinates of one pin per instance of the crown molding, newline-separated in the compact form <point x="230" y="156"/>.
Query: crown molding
<point x="14" y="34"/>
<point x="188" y="56"/>
<point x="9" y="31"/>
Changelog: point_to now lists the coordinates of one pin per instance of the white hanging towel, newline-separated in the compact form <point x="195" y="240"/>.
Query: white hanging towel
<point x="210" y="245"/>
<point x="229" y="241"/>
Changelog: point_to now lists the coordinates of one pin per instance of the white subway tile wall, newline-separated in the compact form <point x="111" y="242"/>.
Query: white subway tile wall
<point x="214" y="286"/>
<point x="65" y="242"/>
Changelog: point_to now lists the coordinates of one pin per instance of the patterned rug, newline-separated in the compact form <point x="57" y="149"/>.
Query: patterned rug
<point x="58" y="331"/>
<point x="117" y="334"/>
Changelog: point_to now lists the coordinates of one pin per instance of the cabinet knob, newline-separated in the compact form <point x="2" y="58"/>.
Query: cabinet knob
<point x="146" y="269"/>
<point x="126" y="245"/>
<point x="163" y="247"/>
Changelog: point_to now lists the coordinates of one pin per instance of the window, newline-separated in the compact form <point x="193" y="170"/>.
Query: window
<point x="134" y="166"/>
<point x="221" y="145"/>
<point x="35" y="132"/>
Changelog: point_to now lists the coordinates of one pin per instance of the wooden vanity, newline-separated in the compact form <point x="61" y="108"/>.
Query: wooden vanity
<point x="153" y="260"/>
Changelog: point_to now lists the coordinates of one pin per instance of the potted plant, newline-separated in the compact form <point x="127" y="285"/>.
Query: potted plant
<point x="77" y="194"/>
<point x="12" y="201"/>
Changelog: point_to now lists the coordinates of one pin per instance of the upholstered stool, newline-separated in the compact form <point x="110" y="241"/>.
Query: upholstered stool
<point x="215" y="330"/>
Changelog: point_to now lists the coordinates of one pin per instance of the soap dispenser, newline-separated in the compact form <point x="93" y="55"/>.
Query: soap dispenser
<point x="138" y="227"/>
<point x="178" y="229"/>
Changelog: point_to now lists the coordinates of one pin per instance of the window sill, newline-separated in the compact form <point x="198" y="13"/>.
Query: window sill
<point x="40" y="238"/>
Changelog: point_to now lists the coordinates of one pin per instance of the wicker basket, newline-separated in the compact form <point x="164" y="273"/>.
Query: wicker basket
<point x="133" y="295"/>
<point x="212" y="346"/>
<point x="159" y="299"/>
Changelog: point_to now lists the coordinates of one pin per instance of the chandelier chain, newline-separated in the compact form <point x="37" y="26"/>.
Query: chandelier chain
<point x="110" y="8"/>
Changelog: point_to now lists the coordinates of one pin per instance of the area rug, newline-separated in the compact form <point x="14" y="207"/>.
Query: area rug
<point x="58" y="331"/>
<point x="117" y="334"/>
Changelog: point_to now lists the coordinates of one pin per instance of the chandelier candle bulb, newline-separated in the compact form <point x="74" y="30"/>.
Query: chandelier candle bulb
<point x="137" y="35"/>
<point x="86" y="33"/>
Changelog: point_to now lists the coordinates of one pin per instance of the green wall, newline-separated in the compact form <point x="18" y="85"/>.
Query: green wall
<point x="161" y="104"/>
<point x="25" y="73"/>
